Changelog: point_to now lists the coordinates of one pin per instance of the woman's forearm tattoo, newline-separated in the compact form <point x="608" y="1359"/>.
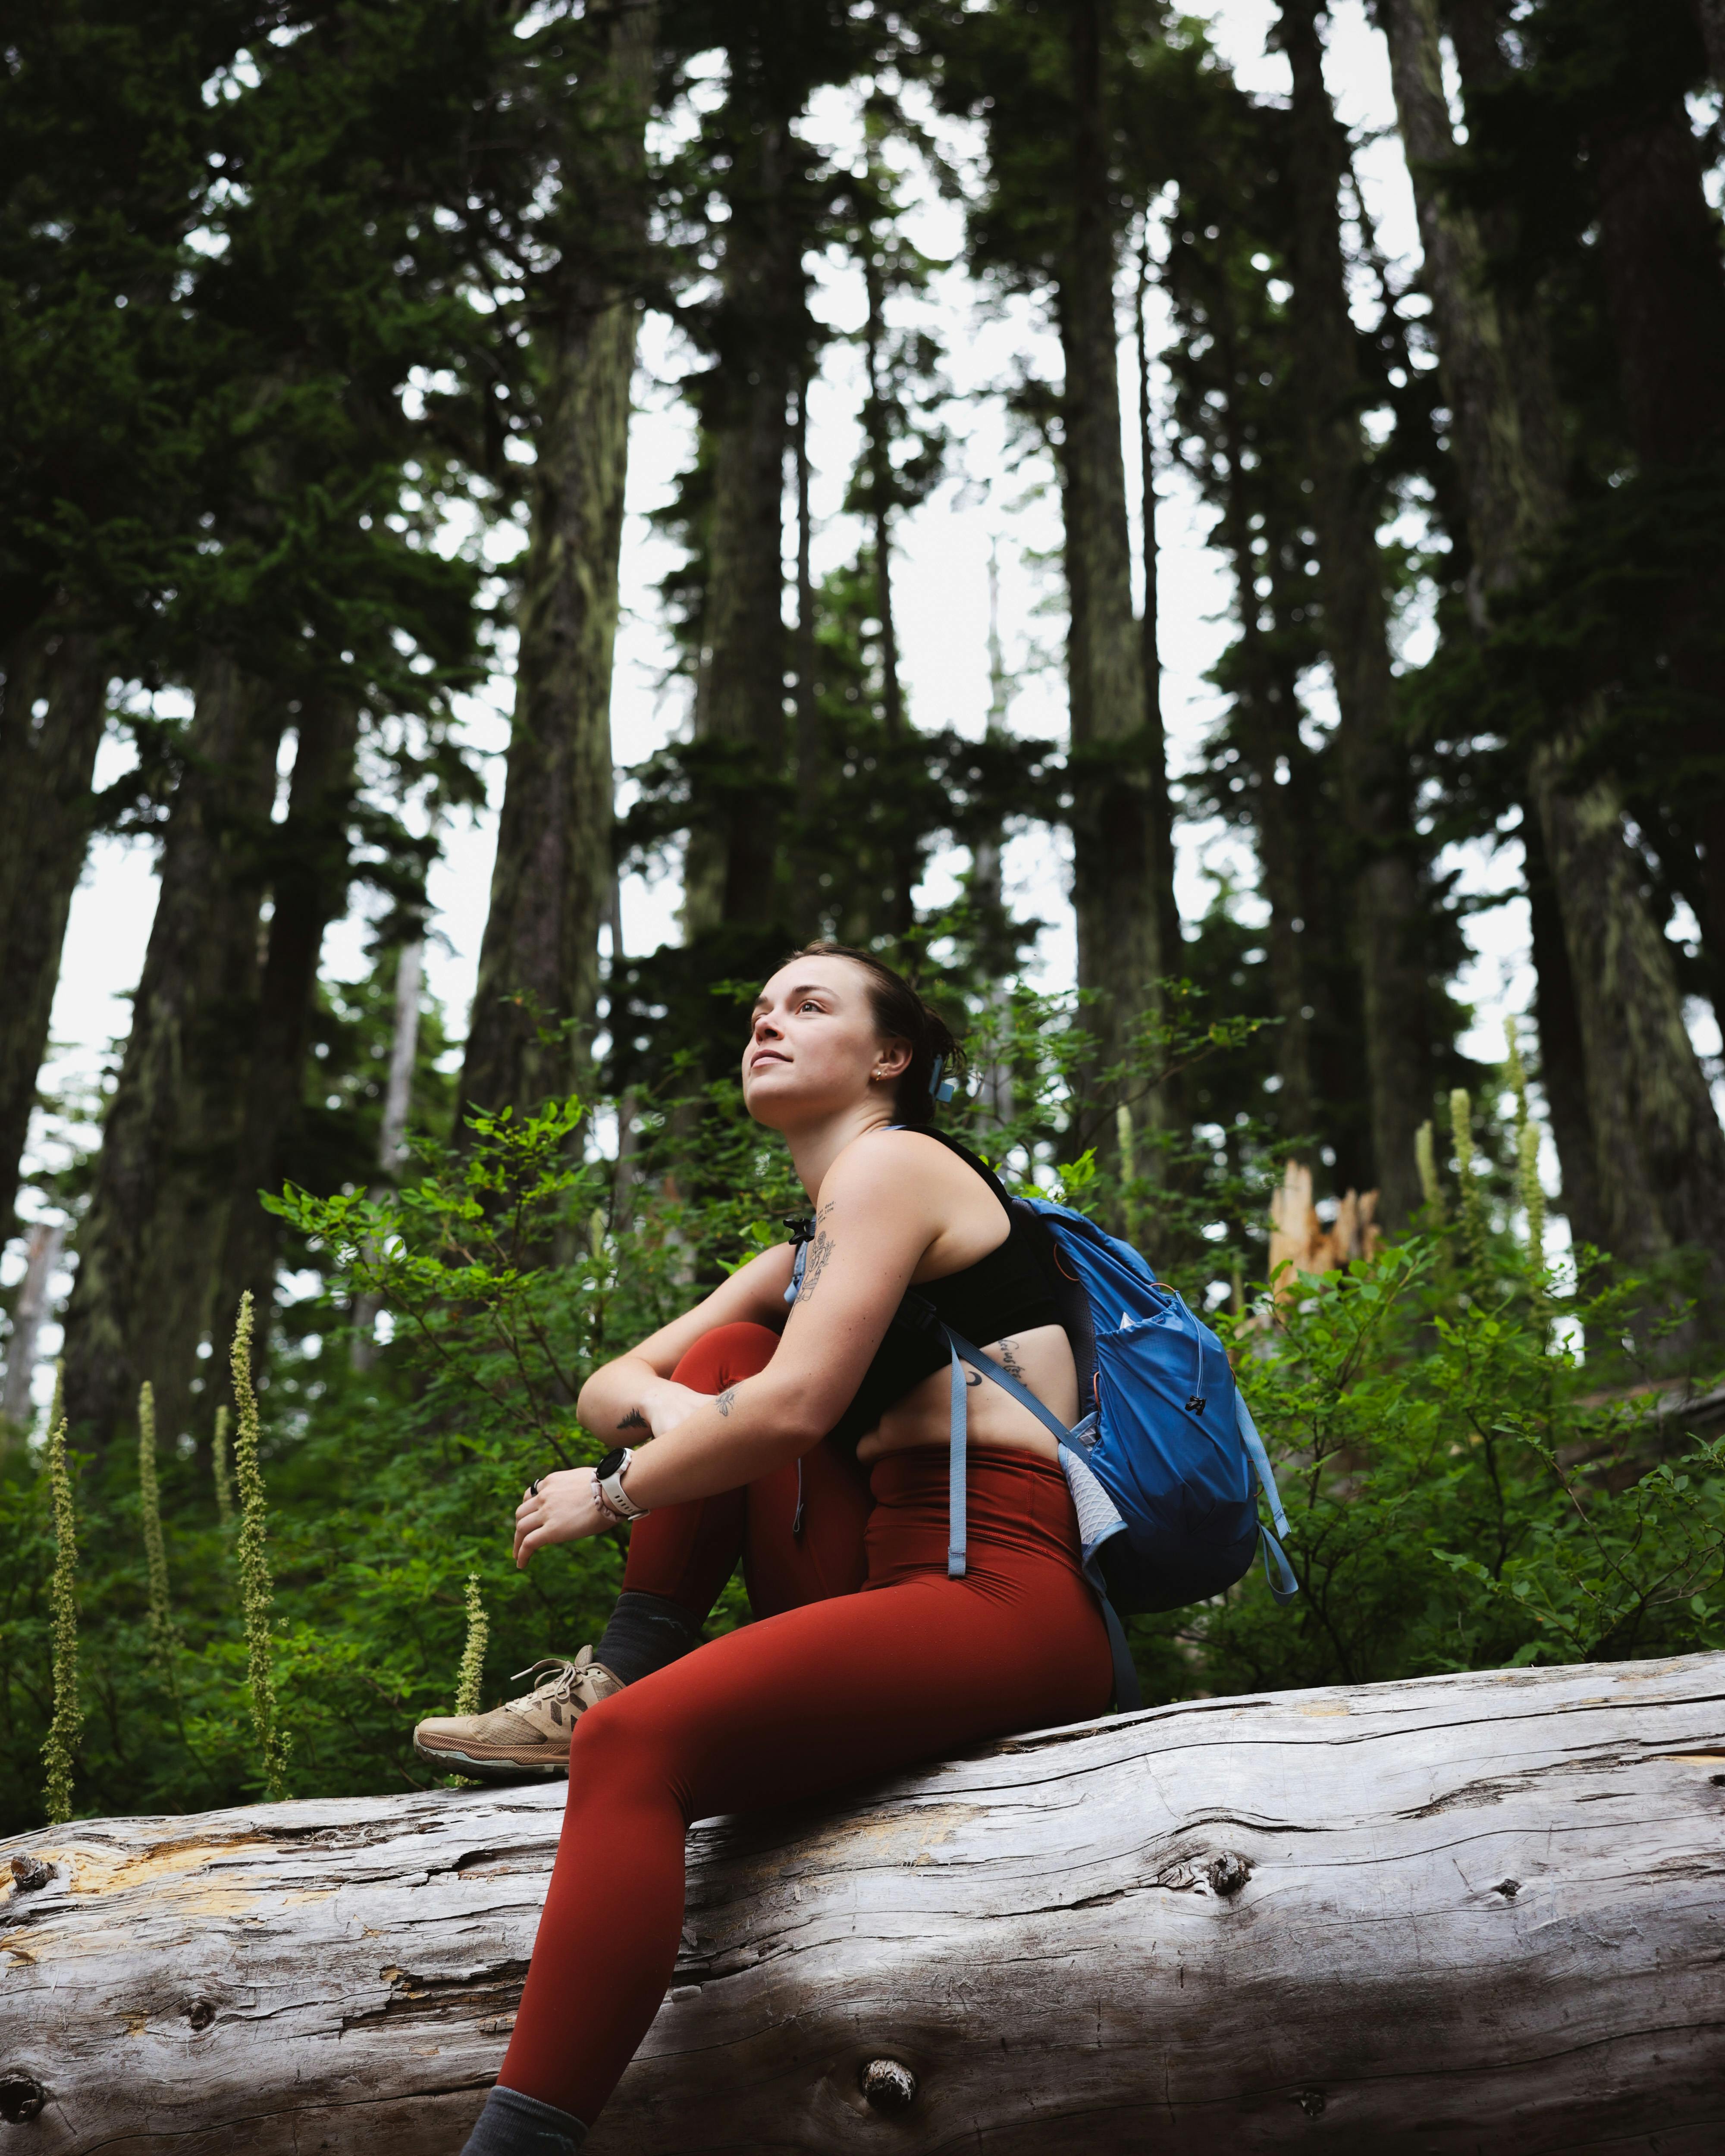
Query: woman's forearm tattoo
<point x="726" y="1400"/>
<point x="635" y="1420"/>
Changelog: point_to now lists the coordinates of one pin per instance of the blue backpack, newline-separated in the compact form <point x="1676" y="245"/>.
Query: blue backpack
<point x="1164" y="1468"/>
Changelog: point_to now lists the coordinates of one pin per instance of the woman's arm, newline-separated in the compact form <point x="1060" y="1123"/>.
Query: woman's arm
<point x="874" y="1223"/>
<point x="621" y="1396"/>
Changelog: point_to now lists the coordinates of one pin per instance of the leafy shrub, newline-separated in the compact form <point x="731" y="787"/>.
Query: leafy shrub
<point x="1464" y="1489"/>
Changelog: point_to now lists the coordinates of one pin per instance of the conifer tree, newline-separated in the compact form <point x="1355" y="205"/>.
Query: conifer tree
<point x="1390" y="899"/>
<point x="538" y="986"/>
<point x="1659" y="1152"/>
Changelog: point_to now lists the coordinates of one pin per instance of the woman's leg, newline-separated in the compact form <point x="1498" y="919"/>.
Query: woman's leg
<point x="680" y="1558"/>
<point x="798" y="1532"/>
<point x="797" y="1704"/>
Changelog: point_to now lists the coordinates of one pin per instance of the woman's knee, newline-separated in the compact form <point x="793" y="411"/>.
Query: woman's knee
<point x="729" y="1352"/>
<point x="618" y="1748"/>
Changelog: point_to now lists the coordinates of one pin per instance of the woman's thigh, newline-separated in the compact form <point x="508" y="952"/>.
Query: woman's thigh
<point x="798" y="1530"/>
<point x="803" y="1541"/>
<point x="857" y="1686"/>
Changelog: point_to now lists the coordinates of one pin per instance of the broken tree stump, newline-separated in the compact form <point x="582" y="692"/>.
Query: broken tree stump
<point x="1481" y="1913"/>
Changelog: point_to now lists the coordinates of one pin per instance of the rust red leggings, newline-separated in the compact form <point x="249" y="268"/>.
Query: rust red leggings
<point x="686" y="1552"/>
<point x="851" y="1685"/>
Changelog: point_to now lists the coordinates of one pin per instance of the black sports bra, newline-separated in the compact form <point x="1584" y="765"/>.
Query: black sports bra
<point x="1007" y="1290"/>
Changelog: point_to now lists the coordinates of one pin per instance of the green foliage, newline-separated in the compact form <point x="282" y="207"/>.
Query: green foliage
<point x="253" y="1557"/>
<point x="161" y="1623"/>
<point x="62" y="1741"/>
<point x="1463" y="1491"/>
<point x="473" y="1652"/>
<point x="220" y="1475"/>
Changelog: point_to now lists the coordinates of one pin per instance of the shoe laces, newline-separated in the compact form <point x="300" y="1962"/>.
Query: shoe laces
<point x="559" y="1681"/>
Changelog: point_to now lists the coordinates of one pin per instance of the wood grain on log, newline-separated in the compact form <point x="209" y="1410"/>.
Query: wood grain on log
<point x="1478" y="1913"/>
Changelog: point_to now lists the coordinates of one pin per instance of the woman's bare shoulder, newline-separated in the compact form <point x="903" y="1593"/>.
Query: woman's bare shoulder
<point x="890" y="1160"/>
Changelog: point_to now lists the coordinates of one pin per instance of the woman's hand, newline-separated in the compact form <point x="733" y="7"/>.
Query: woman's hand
<point x="563" y="1508"/>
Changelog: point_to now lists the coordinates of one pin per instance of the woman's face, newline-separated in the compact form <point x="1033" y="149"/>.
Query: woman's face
<point x="814" y="1047"/>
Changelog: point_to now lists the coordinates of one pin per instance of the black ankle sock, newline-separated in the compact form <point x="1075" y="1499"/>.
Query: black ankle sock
<point x="647" y="1632"/>
<point x="516" y="2125"/>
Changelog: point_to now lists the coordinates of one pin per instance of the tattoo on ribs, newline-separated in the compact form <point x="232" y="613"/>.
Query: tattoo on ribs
<point x="635" y="1420"/>
<point x="726" y="1400"/>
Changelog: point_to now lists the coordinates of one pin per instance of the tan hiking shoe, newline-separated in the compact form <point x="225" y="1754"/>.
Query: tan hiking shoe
<point x="527" y="1736"/>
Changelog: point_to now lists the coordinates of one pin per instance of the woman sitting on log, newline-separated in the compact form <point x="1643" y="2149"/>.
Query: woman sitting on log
<point x="866" y="1655"/>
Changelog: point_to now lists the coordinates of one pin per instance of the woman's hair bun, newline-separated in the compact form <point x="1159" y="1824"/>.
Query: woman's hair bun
<point x="901" y="1014"/>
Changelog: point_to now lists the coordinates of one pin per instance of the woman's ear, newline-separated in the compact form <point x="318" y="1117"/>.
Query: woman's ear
<point x="892" y="1060"/>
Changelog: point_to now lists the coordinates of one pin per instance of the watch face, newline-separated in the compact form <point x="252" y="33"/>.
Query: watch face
<point x="612" y="1461"/>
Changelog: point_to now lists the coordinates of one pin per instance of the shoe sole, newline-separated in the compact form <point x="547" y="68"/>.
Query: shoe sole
<point x="492" y="1770"/>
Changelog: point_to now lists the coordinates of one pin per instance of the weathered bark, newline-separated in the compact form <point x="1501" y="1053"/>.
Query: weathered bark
<point x="1477" y="1911"/>
<point x="147" y="1249"/>
<point x="309" y="875"/>
<point x="1390" y="899"/>
<point x="1647" y="1097"/>
<point x="731" y="870"/>
<point x="1119" y="957"/>
<point x="538" y="985"/>
<point x="46" y="765"/>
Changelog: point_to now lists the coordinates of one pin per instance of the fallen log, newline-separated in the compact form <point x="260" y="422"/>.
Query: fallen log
<point x="1478" y="1912"/>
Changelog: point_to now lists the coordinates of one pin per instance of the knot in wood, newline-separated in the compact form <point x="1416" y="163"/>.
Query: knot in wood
<point x="888" y="2085"/>
<point x="1228" y="1873"/>
<point x="1310" y="2101"/>
<point x="201" y="2013"/>
<point x="21" y="2097"/>
<point x="29" y="1873"/>
<point x="1508" y="1888"/>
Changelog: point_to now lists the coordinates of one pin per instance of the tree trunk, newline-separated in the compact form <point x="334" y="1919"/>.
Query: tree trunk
<point x="1168" y="938"/>
<point x="1561" y="1067"/>
<point x="1284" y="806"/>
<point x="148" y="1249"/>
<point x="1476" y="1912"/>
<point x="732" y="877"/>
<point x="1710" y="14"/>
<point x="1391" y="900"/>
<point x="309" y="889"/>
<point x="46" y="765"/>
<point x="1647" y="1096"/>
<point x="1119" y="957"/>
<point x="901" y="908"/>
<point x="1664" y="286"/>
<point x="30" y="1314"/>
<point x="538" y="986"/>
<point x="392" y="1136"/>
<point x="807" y="908"/>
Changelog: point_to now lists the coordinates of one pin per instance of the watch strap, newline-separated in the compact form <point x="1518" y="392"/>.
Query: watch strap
<point x="614" y="1497"/>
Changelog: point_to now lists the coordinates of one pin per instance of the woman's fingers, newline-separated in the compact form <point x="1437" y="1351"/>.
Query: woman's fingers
<point x="561" y="1510"/>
